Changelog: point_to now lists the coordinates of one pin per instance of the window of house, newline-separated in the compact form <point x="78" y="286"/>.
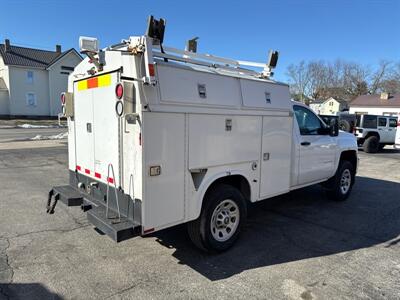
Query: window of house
<point x="29" y="77"/>
<point x="31" y="99"/>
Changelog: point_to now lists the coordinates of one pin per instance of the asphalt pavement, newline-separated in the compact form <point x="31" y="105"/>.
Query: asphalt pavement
<point x="296" y="246"/>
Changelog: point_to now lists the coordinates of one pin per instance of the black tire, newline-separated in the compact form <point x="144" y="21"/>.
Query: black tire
<point x="334" y="189"/>
<point x="200" y="229"/>
<point x="371" y="144"/>
<point x="345" y="125"/>
<point x="381" y="146"/>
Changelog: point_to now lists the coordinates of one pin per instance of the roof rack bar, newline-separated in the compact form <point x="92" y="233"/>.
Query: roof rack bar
<point x="202" y="63"/>
<point x="210" y="57"/>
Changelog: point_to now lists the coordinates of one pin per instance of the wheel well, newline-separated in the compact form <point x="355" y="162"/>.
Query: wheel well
<point x="372" y="134"/>
<point x="237" y="181"/>
<point x="350" y="156"/>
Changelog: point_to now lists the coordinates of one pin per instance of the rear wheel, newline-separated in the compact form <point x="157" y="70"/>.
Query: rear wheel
<point x="222" y="217"/>
<point x="340" y="185"/>
<point x="371" y="144"/>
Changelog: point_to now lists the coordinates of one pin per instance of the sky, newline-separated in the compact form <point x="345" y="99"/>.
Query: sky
<point x="363" y="31"/>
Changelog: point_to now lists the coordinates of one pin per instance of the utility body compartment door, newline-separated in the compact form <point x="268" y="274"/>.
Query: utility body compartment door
<point x="97" y="127"/>
<point x="276" y="155"/>
<point x="163" y="148"/>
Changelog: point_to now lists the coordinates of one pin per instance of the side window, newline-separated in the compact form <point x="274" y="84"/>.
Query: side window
<point x="392" y="122"/>
<point x="29" y="77"/>
<point x="308" y="122"/>
<point x="382" y="122"/>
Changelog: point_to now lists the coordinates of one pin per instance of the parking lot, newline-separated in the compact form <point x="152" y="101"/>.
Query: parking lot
<point x="296" y="246"/>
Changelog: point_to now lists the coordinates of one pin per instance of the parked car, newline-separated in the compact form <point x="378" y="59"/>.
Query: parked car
<point x="375" y="132"/>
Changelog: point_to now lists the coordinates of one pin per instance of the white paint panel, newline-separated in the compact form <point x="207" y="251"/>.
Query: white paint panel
<point x="210" y="144"/>
<point x="163" y="145"/>
<point x="84" y="139"/>
<point x="106" y="130"/>
<point x="256" y="94"/>
<point x="220" y="90"/>
<point x="276" y="156"/>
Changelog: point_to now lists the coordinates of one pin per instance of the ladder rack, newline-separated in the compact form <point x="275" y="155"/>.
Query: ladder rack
<point x="211" y="61"/>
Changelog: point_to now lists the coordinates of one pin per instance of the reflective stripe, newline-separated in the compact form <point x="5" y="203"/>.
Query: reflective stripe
<point x="94" y="82"/>
<point x="104" y="80"/>
<point x="82" y="85"/>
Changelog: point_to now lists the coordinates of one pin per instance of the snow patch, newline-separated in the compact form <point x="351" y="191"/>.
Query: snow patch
<point x="38" y="126"/>
<point x="60" y="136"/>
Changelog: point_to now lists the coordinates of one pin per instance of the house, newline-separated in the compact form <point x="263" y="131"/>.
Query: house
<point x="316" y="105"/>
<point x="383" y="104"/>
<point x="330" y="106"/>
<point x="31" y="80"/>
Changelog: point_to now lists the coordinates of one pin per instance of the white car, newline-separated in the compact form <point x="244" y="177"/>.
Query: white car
<point x="375" y="132"/>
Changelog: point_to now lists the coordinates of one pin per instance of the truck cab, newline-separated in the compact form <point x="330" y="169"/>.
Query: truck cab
<point x="159" y="136"/>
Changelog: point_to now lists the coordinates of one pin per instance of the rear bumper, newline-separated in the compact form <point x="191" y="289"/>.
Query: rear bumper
<point x="119" y="220"/>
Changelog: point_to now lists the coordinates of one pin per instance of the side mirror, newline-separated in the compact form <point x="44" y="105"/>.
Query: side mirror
<point x="334" y="127"/>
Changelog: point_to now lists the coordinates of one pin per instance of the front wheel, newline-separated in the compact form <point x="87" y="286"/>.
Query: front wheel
<point x="221" y="220"/>
<point x="340" y="185"/>
<point x="371" y="144"/>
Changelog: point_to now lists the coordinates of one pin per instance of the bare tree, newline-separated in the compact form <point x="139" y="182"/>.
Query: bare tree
<point x="341" y="79"/>
<point x="299" y="80"/>
<point x="379" y="76"/>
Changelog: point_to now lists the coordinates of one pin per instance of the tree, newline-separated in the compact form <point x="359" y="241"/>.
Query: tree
<point x="341" y="79"/>
<point x="299" y="80"/>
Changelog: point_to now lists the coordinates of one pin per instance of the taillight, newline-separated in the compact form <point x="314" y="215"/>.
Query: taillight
<point x="119" y="91"/>
<point x="63" y="98"/>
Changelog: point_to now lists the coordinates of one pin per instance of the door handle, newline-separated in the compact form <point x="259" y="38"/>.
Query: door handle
<point x="305" y="143"/>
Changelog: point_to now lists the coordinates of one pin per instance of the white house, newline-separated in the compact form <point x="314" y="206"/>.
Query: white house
<point x="329" y="106"/>
<point x="31" y="80"/>
<point x="383" y="104"/>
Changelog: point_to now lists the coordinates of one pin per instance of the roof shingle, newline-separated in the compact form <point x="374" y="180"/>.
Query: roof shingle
<point x="375" y="100"/>
<point x="28" y="57"/>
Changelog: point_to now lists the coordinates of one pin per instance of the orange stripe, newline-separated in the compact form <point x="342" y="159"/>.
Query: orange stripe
<point x="92" y="83"/>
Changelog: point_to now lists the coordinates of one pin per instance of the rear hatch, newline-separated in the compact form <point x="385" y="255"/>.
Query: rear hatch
<point x="97" y="127"/>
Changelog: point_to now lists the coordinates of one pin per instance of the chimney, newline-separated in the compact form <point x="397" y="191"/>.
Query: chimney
<point x="58" y="49"/>
<point x="385" y="96"/>
<point x="7" y="47"/>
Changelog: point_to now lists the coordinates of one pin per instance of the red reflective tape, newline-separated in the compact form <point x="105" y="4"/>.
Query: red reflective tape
<point x="92" y="83"/>
<point x="148" y="230"/>
<point x="151" y="70"/>
<point x="87" y="171"/>
<point x="98" y="175"/>
<point x="110" y="180"/>
<point x="78" y="168"/>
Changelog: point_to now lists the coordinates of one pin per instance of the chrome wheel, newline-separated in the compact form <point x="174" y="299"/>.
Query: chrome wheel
<point x="345" y="181"/>
<point x="225" y="220"/>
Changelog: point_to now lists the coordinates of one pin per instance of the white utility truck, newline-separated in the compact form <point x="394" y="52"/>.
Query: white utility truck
<point x="159" y="136"/>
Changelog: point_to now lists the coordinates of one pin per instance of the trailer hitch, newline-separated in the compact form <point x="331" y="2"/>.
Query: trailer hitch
<point x="50" y="207"/>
